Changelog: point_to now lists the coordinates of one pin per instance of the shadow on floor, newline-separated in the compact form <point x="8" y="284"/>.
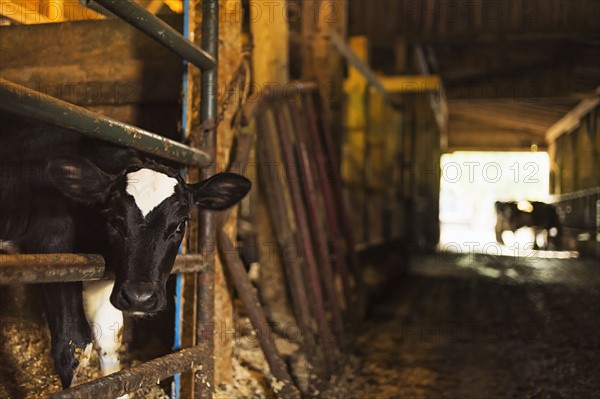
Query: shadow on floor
<point x="476" y="326"/>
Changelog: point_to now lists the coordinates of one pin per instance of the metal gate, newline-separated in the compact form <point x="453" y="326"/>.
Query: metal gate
<point x="41" y="268"/>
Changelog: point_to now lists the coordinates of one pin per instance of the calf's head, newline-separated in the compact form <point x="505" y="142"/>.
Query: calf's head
<point x="146" y="208"/>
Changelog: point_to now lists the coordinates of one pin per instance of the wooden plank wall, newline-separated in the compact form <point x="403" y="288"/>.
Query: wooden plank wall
<point x="575" y="182"/>
<point x="134" y="79"/>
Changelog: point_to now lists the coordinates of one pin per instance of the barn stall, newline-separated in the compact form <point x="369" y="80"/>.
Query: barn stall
<point x="359" y="265"/>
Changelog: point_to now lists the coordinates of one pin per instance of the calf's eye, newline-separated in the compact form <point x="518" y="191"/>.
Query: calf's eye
<point x="181" y="227"/>
<point x="117" y="229"/>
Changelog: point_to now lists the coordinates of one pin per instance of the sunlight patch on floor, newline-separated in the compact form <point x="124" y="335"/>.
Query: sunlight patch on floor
<point x="463" y="238"/>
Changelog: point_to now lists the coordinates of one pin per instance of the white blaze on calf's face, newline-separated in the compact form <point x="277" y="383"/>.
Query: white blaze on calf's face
<point x="149" y="188"/>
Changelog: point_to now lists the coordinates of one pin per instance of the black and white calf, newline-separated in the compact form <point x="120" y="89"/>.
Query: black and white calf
<point x="133" y="213"/>
<point x="541" y="217"/>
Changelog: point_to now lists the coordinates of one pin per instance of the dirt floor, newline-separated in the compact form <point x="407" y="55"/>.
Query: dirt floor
<point x="454" y="326"/>
<point x="475" y="326"/>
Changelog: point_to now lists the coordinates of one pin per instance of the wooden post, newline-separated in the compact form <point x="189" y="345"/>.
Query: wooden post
<point x="426" y="177"/>
<point x="270" y="38"/>
<point x="375" y="177"/>
<point x="230" y="58"/>
<point x="319" y="19"/>
<point x="394" y="152"/>
<point x="395" y="192"/>
<point x="401" y="54"/>
<point x="353" y="147"/>
<point x="554" y="171"/>
<point x="270" y="69"/>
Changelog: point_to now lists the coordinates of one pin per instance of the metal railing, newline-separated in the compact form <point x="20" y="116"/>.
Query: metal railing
<point x="53" y="268"/>
<point x="30" y="103"/>
<point x="157" y="29"/>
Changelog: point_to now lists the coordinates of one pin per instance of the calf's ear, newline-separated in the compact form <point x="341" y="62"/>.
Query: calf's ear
<point x="221" y="191"/>
<point x="79" y="179"/>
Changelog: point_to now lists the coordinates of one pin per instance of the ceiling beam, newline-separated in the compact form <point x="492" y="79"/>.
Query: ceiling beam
<point x="365" y="70"/>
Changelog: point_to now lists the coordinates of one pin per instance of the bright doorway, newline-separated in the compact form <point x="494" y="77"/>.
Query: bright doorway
<point x="471" y="182"/>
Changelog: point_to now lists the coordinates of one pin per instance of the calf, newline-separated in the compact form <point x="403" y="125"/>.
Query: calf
<point x="133" y="213"/>
<point x="511" y="216"/>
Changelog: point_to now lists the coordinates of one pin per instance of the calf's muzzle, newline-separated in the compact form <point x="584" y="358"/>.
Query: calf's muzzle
<point x="139" y="297"/>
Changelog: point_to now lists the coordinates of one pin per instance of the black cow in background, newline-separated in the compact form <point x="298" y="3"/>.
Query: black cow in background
<point x="541" y="217"/>
<point x="63" y="193"/>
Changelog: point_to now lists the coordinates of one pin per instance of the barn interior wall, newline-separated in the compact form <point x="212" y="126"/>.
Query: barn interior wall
<point x="390" y="166"/>
<point x="575" y="157"/>
<point x="575" y="184"/>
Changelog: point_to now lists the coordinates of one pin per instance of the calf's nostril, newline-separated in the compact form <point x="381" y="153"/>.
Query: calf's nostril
<point x="143" y="297"/>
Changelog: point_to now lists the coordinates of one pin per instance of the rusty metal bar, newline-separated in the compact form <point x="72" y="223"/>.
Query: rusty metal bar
<point x="230" y="258"/>
<point x="157" y="29"/>
<point x="251" y="303"/>
<point x="279" y="199"/>
<point x="313" y="100"/>
<point x="54" y="268"/>
<point x="284" y="126"/>
<point x="317" y="224"/>
<point x="267" y="98"/>
<point x="331" y="209"/>
<point x="29" y="103"/>
<point x="204" y="383"/>
<point x="134" y="378"/>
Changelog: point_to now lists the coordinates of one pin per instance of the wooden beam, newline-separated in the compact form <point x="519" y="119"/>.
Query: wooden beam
<point x="308" y="30"/>
<point x="401" y="54"/>
<point x="572" y="119"/>
<point x="19" y="12"/>
<point x="353" y="59"/>
<point x="355" y="87"/>
<point x="353" y="159"/>
<point x="489" y="147"/>
<point x="411" y="83"/>
<point x="437" y="101"/>
<point x="270" y="57"/>
<point x="319" y="19"/>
